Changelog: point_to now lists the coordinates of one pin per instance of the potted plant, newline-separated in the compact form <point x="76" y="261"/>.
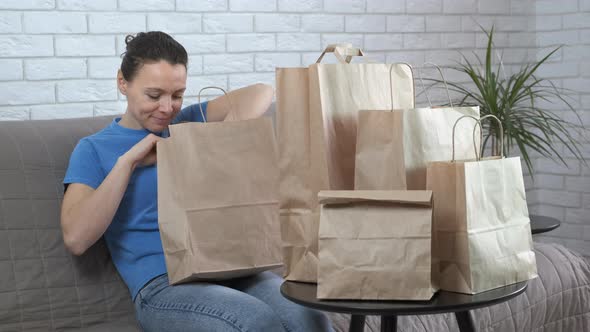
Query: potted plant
<point x="514" y="100"/>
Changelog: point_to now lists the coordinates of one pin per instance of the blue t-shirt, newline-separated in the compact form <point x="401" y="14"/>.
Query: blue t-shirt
<point x="133" y="237"/>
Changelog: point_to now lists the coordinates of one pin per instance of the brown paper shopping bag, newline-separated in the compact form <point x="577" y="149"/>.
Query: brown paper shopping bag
<point x="218" y="206"/>
<point x="482" y="236"/>
<point x="379" y="163"/>
<point x="395" y="147"/>
<point x="310" y="103"/>
<point x="337" y="92"/>
<point x="379" y="159"/>
<point x="375" y="245"/>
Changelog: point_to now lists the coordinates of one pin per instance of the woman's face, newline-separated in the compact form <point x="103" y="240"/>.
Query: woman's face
<point x="154" y="95"/>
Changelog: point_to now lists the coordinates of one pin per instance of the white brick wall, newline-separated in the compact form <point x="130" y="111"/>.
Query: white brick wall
<point x="109" y="108"/>
<point x="228" y="63"/>
<point x="405" y="23"/>
<point x="55" y="68"/>
<point x="383" y="42"/>
<point x="87" y="5"/>
<point x="75" y="110"/>
<point x="564" y="191"/>
<point x="331" y="38"/>
<point x="147" y="5"/>
<point x="300" y="5"/>
<point x="116" y="23"/>
<point x="11" y="69"/>
<point x="460" y="6"/>
<point x="220" y="23"/>
<point x="424" y="6"/>
<point x="103" y="67"/>
<point x="26" y="93"/>
<point x="201" y="6"/>
<point x="202" y="43"/>
<point x="441" y="23"/>
<point x="344" y="6"/>
<point x="277" y="23"/>
<point x="10" y="22"/>
<point x="27" y="4"/>
<point x="422" y="41"/>
<point x="257" y="6"/>
<point x="365" y="23"/>
<point x="322" y="23"/>
<point x="554" y="7"/>
<point x="59" y="58"/>
<point x="386" y="6"/>
<point x="19" y="46"/>
<point x="269" y="61"/>
<point x="494" y="7"/>
<point x="298" y="41"/>
<point x="54" y="22"/>
<point x="12" y="113"/>
<point x="84" y="45"/>
<point x="174" y="22"/>
<point x="86" y="90"/>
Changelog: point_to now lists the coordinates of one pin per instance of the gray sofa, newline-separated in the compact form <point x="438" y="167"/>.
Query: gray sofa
<point x="44" y="288"/>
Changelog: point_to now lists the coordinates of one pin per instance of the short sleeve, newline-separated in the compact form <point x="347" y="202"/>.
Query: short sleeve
<point x="84" y="166"/>
<point x="192" y="113"/>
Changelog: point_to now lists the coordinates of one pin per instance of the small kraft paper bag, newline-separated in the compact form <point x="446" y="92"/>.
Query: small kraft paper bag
<point x="375" y="245"/>
<point x="481" y="227"/>
<point x="218" y="208"/>
<point x="393" y="148"/>
<point x="316" y="129"/>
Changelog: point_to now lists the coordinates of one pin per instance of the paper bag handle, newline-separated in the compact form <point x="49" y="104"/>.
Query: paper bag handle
<point x="443" y="79"/>
<point x="391" y="80"/>
<point x="343" y="52"/>
<point x="501" y="132"/>
<point x="478" y="123"/>
<point x="199" y="99"/>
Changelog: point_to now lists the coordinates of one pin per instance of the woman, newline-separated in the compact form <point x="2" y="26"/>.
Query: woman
<point x="112" y="191"/>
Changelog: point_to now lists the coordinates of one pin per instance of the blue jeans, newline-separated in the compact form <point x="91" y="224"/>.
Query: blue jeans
<point x="243" y="304"/>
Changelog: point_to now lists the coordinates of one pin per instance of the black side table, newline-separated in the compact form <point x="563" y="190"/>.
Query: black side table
<point x="460" y="304"/>
<point x="542" y="224"/>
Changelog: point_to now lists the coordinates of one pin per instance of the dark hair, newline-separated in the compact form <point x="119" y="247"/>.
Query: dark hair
<point x="151" y="46"/>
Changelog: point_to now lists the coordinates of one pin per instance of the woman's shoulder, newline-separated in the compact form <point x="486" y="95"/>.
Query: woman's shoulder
<point x="89" y="141"/>
<point x="192" y="113"/>
<point x="107" y="143"/>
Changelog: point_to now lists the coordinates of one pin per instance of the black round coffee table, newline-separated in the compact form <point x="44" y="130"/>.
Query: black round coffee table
<point x="441" y="302"/>
<point x="542" y="224"/>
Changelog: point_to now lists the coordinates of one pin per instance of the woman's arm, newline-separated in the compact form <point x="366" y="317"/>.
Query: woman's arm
<point x="86" y="213"/>
<point x="248" y="103"/>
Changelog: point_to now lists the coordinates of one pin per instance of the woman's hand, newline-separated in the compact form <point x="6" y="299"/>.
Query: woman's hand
<point x="143" y="153"/>
<point x="87" y="213"/>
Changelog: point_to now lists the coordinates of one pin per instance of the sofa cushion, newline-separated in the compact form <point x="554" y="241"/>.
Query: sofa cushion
<point x="41" y="285"/>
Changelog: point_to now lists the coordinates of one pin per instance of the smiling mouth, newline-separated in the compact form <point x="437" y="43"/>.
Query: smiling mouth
<point x="160" y="119"/>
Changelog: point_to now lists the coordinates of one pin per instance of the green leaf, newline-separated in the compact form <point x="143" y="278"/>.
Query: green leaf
<point x="515" y="101"/>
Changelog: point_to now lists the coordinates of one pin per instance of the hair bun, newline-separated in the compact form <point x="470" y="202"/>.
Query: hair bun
<point x="128" y="39"/>
<point x="151" y="46"/>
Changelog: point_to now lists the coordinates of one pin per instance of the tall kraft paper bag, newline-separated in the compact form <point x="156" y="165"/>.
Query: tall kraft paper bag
<point x="379" y="159"/>
<point x="337" y="93"/>
<point x="395" y="147"/>
<point x="481" y="228"/>
<point x="375" y="245"/>
<point x="301" y="132"/>
<point x="218" y="205"/>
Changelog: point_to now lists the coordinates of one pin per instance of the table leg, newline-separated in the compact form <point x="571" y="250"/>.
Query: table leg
<point x="465" y="322"/>
<point x="388" y="323"/>
<point x="357" y="323"/>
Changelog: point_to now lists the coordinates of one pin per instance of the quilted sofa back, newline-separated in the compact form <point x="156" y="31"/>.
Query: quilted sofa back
<point x="42" y="286"/>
